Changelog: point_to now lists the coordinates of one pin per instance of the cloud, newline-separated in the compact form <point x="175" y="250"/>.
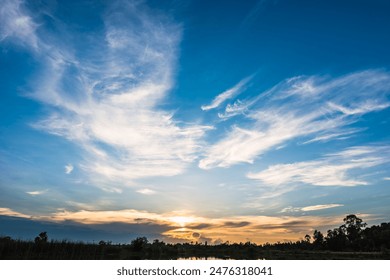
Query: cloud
<point x="146" y="191"/>
<point x="183" y="226"/>
<point x="311" y="109"/>
<point x="386" y="178"/>
<point x="237" y="108"/>
<point x="16" y="24"/>
<point x="320" y="207"/>
<point x="331" y="170"/>
<point x="255" y="12"/>
<point x="342" y="135"/>
<point x="68" y="168"/>
<point x="34" y="193"/>
<point x="110" y="101"/>
<point x="228" y="94"/>
<point x="10" y="212"/>
<point x="310" y="208"/>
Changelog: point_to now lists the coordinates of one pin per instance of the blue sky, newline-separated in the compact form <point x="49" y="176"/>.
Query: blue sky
<point x="191" y="120"/>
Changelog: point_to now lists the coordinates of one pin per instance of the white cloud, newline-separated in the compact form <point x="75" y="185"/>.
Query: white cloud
<point x="369" y="106"/>
<point x="322" y="109"/>
<point x="16" y="24"/>
<point x="237" y="108"/>
<point x="342" y="135"/>
<point x="68" y="168"/>
<point x="34" y="193"/>
<point x="332" y="170"/>
<point x="228" y="94"/>
<point x="110" y="102"/>
<point x="386" y="178"/>
<point x="320" y="207"/>
<point x="10" y="212"/>
<point x="146" y="191"/>
<point x="291" y="209"/>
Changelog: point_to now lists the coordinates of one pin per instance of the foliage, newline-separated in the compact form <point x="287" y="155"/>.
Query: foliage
<point x="352" y="240"/>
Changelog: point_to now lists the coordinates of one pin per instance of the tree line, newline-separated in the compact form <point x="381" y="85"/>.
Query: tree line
<point x="353" y="235"/>
<point x="353" y="239"/>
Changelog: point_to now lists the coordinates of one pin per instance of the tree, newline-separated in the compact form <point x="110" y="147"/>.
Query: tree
<point x="353" y="227"/>
<point x="318" y="238"/>
<point x="41" y="238"/>
<point x="139" y="243"/>
<point x="336" y="239"/>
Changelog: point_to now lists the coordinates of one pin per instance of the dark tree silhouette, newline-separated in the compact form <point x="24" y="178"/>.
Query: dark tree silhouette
<point x="318" y="238"/>
<point x="336" y="239"/>
<point x="353" y="227"/>
<point x="41" y="238"/>
<point x="139" y="243"/>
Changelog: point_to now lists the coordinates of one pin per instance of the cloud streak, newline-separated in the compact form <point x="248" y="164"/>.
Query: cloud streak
<point x="16" y="24"/>
<point x="146" y="191"/>
<point x="331" y="170"/>
<point x="310" y="208"/>
<point x="311" y="109"/>
<point x="68" y="168"/>
<point x="34" y="193"/>
<point x="11" y="213"/>
<point x="228" y="94"/>
<point x="109" y="101"/>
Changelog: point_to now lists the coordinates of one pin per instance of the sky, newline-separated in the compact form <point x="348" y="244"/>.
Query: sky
<point x="193" y="121"/>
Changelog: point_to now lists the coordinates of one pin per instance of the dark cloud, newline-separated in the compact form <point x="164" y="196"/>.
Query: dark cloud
<point x="288" y="225"/>
<point x="199" y="226"/>
<point x="236" y="224"/>
<point x="27" y="229"/>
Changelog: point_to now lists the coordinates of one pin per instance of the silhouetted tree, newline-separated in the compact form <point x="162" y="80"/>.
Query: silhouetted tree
<point x="318" y="238"/>
<point x="139" y="243"/>
<point x="41" y="238"/>
<point x="353" y="227"/>
<point x="336" y="239"/>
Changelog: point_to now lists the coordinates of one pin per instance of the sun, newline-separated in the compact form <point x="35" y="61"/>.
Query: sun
<point x="181" y="220"/>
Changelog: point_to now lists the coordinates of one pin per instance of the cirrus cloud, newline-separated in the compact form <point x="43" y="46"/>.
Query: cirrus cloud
<point x="331" y="170"/>
<point x="311" y="109"/>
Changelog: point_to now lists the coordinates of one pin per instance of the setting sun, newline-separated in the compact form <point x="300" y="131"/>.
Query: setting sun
<point x="182" y="221"/>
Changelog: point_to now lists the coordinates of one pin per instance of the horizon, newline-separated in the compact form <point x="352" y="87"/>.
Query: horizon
<point x="193" y="121"/>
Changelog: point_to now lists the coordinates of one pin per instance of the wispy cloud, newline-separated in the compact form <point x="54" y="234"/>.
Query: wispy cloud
<point x="228" y="94"/>
<point x="320" y="207"/>
<point x="16" y="24"/>
<point x="109" y="101"/>
<point x="237" y="108"/>
<point x="307" y="108"/>
<point x="68" y="168"/>
<point x="331" y="170"/>
<point x="34" y="193"/>
<point x="10" y="212"/>
<point x="310" y="208"/>
<point x="255" y="12"/>
<point x="146" y="191"/>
